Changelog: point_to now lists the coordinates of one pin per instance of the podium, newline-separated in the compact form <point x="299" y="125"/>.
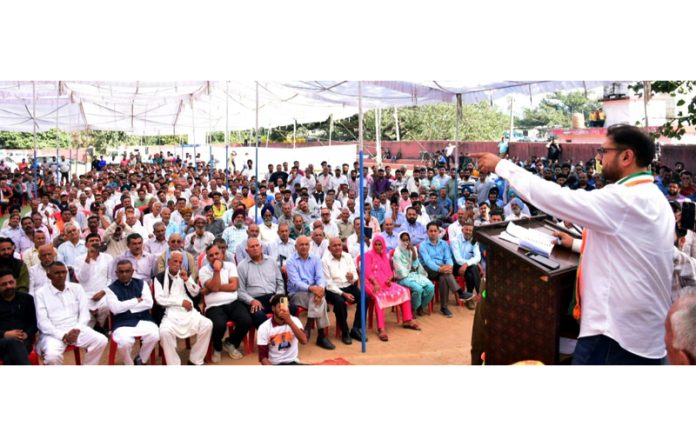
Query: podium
<point x="527" y="304"/>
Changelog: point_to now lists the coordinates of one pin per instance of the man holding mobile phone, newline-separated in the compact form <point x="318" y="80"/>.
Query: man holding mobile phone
<point x="278" y="337"/>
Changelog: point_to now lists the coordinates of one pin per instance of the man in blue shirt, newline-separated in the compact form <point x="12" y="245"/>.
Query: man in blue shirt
<point x="436" y="257"/>
<point x="436" y="212"/>
<point x="414" y="228"/>
<point x="307" y="288"/>
<point x="467" y="257"/>
<point x="378" y="211"/>
<point x="444" y="201"/>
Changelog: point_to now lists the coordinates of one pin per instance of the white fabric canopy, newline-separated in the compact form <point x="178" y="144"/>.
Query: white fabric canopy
<point x="177" y="107"/>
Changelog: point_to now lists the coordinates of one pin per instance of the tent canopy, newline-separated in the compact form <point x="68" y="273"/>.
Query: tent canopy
<point x="179" y="107"/>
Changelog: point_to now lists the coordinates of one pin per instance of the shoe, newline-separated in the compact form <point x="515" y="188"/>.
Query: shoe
<point x="190" y="363"/>
<point x="356" y="334"/>
<point x="216" y="356"/>
<point x="232" y="351"/>
<point x="138" y="361"/>
<point x="446" y="312"/>
<point x="324" y="342"/>
<point x="345" y="338"/>
<point x="464" y="295"/>
<point x="420" y="312"/>
<point x="470" y="304"/>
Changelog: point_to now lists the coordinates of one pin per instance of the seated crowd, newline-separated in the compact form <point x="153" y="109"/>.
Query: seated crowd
<point x="153" y="253"/>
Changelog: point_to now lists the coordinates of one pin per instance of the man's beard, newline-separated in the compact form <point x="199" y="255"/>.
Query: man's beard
<point x="6" y="260"/>
<point x="411" y="220"/>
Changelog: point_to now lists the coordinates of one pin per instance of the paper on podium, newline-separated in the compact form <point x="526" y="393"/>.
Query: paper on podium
<point x="529" y="239"/>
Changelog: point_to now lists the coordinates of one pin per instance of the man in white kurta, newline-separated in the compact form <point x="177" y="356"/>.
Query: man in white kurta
<point x="92" y="270"/>
<point x="62" y="316"/>
<point x="174" y="290"/>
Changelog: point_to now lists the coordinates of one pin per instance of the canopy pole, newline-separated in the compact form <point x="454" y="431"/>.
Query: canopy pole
<point x="512" y="102"/>
<point x="294" y="133"/>
<point x="211" y="163"/>
<point x="227" y="134"/>
<point x="193" y="135"/>
<point x="331" y="124"/>
<point x="646" y="97"/>
<point x="256" y="164"/>
<point x="36" y="161"/>
<point x="396" y="120"/>
<point x="378" y="136"/>
<point x="362" y="217"/>
<point x="57" y="137"/>
<point x="458" y="118"/>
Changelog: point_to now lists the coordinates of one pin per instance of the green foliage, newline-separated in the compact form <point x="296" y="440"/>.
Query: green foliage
<point x="676" y="126"/>
<point x="480" y="122"/>
<point x="557" y="110"/>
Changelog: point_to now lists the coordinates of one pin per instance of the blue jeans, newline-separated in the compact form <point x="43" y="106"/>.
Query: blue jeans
<point x="603" y="350"/>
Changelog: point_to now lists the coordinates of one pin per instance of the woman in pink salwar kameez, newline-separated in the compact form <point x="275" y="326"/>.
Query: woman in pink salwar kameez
<point x="381" y="287"/>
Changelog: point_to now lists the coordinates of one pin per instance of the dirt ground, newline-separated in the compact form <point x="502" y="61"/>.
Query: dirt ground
<point x="441" y="341"/>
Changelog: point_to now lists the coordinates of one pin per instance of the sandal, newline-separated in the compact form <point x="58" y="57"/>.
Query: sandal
<point x="412" y="325"/>
<point x="382" y="335"/>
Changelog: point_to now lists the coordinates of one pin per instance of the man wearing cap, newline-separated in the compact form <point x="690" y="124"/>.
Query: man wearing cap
<point x="278" y="337"/>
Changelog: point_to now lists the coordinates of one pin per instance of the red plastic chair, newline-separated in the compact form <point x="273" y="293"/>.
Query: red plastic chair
<point x="113" y="349"/>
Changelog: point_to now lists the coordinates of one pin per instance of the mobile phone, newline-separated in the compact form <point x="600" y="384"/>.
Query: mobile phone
<point x="284" y="303"/>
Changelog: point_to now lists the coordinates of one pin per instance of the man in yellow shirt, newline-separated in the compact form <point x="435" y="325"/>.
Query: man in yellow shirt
<point x="219" y="207"/>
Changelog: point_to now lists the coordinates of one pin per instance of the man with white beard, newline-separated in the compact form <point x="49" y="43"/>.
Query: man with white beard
<point x="175" y="291"/>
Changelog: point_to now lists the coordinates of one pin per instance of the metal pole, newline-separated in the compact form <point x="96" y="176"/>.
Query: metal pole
<point x="456" y="149"/>
<point x="193" y="134"/>
<point x="362" y="217"/>
<point x="646" y="97"/>
<point x="396" y="120"/>
<point x="512" y="102"/>
<point x="33" y="100"/>
<point x="378" y="136"/>
<point x="57" y="138"/>
<point x="330" y="128"/>
<point x="227" y="134"/>
<point x="211" y="163"/>
<point x="256" y="143"/>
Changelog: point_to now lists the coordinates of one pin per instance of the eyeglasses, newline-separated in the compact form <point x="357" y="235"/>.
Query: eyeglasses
<point x="604" y="150"/>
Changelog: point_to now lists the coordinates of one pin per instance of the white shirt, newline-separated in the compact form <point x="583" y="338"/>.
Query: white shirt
<point x="58" y="312"/>
<point x="281" y="341"/>
<point x="627" y="263"/>
<point x="93" y="276"/>
<point x="227" y="273"/>
<point x="121" y="306"/>
<point x="149" y="221"/>
<point x="330" y="229"/>
<point x="268" y="235"/>
<point x="320" y="249"/>
<point x="37" y="278"/>
<point x="335" y="271"/>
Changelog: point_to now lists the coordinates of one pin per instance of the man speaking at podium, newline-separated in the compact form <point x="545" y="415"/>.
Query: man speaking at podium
<point x="623" y="286"/>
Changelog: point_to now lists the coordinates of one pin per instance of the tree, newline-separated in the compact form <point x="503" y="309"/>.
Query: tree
<point x="557" y="110"/>
<point x="674" y="127"/>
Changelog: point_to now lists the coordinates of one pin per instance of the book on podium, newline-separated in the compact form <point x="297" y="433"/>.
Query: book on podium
<point x="530" y="286"/>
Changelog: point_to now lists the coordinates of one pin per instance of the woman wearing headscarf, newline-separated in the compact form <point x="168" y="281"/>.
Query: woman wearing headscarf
<point x="409" y="272"/>
<point x="380" y="286"/>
